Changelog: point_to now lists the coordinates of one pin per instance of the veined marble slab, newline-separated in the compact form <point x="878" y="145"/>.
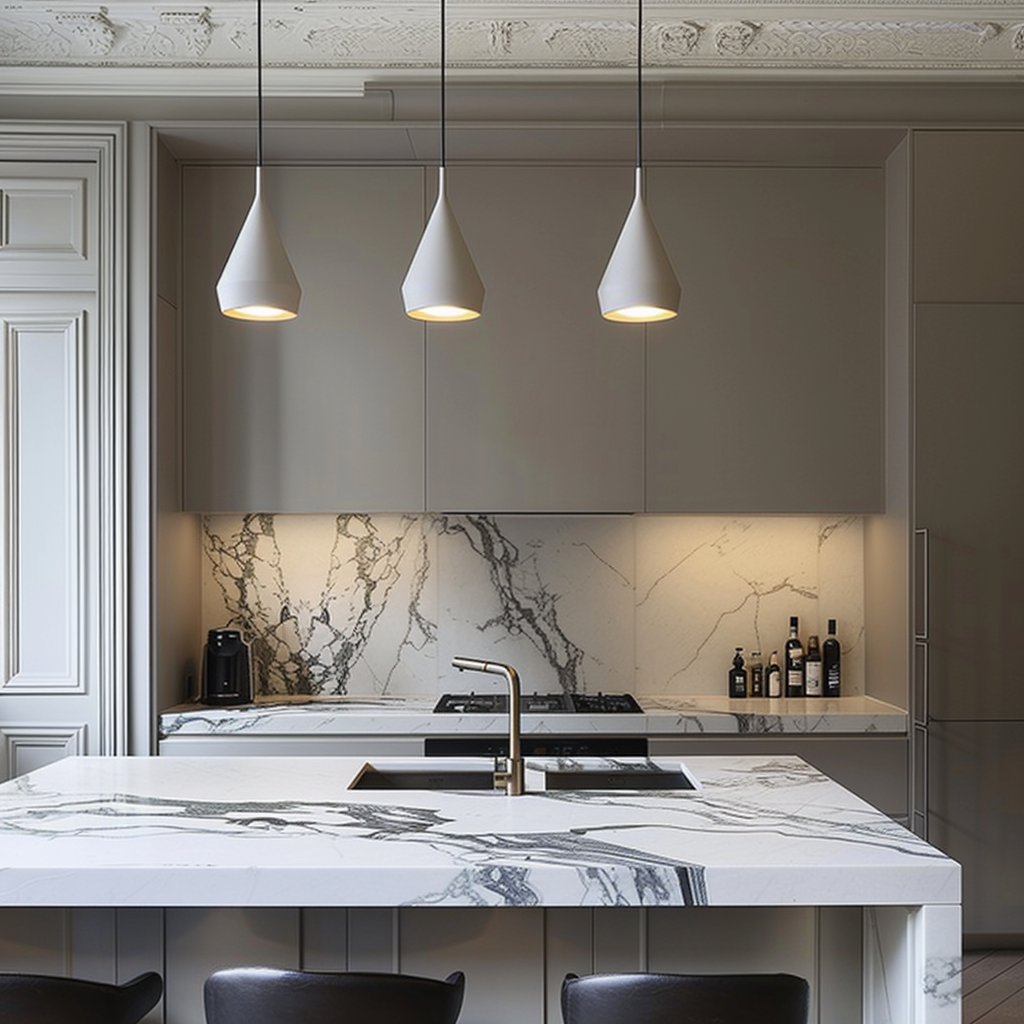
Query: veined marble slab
<point x="762" y="831"/>
<point x="411" y="716"/>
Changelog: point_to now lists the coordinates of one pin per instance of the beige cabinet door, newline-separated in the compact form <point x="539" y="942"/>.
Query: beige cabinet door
<point x="969" y="423"/>
<point x="323" y="413"/>
<point x="968" y="216"/>
<point x="538" y="405"/>
<point x="976" y="816"/>
<point x="766" y="393"/>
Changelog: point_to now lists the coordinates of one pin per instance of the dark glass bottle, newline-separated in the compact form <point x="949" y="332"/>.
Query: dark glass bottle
<point x="830" y="656"/>
<point x="773" y="676"/>
<point x="812" y="668"/>
<point x="794" y="660"/>
<point x="756" y="675"/>
<point x="738" y="676"/>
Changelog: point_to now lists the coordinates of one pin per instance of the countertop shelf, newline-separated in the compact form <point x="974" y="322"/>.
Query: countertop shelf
<point x="663" y="716"/>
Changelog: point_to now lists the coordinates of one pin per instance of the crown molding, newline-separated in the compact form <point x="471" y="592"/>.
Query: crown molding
<point x="44" y="44"/>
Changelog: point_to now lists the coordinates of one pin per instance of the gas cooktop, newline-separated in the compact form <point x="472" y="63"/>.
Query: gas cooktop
<point x="540" y="703"/>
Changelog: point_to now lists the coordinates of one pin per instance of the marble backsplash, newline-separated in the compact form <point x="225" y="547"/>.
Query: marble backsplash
<point x="362" y="604"/>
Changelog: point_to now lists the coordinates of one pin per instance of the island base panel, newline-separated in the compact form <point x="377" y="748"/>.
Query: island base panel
<point x="515" y="957"/>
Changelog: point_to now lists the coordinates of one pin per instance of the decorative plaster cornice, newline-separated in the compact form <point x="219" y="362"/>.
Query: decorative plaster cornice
<point x="580" y="35"/>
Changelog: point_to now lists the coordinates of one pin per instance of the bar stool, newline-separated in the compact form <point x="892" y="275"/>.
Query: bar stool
<point x="48" y="999"/>
<point x="685" y="999"/>
<point x="264" y="995"/>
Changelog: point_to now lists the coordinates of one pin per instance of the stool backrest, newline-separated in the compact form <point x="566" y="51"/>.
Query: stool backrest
<point x="685" y="999"/>
<point x="264" y="995"/>
<point x="48" y="999"/>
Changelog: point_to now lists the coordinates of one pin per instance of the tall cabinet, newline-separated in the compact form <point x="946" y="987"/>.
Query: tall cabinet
<point x="969" y="495"/>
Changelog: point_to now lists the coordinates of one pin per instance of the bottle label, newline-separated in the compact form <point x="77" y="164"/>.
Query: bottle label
<point x="813" y="679"/>
<point x="774" y="684"/>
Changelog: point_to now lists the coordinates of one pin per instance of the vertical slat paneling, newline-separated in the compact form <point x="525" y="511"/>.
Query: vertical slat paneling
<point x="93" y="943"/>
<point x="501" y="949"/>
<point x="324" y="939"/>
<point x="737" y="939"/>
<point x="140" y="948"/>
<point x="200" y="941"/>
<point x="569" y="948"/>
<point x="33" y="939"/>
<point x="372" y="941"/>
<point x="840" y="956"/>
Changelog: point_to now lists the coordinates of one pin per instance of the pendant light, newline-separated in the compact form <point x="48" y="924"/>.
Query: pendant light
<point x="639" y="285"/>
<point x="258" y="282"/>
<point x="442" y="284"/>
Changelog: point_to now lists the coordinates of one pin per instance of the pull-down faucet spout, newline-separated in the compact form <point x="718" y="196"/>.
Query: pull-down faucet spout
<point x="511" y="778"/>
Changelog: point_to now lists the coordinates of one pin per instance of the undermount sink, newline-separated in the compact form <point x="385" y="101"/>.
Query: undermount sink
<point x="619" y="775"/>
<point x="466" y="773"/>
<point x="477" y="774"/>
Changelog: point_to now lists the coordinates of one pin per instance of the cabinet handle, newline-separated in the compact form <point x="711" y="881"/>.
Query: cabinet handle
<point x="4" y="240"/>
<point x="922" y="573"/>
<point x="919" y="790"/>
<point x="920" y="695"/>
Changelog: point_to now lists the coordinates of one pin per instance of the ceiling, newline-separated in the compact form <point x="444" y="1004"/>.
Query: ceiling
<point x="529" y="79"/>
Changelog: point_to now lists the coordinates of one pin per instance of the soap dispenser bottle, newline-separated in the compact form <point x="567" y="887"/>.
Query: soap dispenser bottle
<point x="738" y="676"/>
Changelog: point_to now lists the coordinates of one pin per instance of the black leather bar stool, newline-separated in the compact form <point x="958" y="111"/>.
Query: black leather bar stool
<point x="685" y="999"/>
<point x="48" y="999"/>
<point x="264" y="995"/>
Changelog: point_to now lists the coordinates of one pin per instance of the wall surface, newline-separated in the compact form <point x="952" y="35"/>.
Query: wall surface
<point x="379" y="604"/>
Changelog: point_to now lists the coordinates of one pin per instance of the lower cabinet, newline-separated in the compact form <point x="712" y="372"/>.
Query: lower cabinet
<point x="976" y="816"/>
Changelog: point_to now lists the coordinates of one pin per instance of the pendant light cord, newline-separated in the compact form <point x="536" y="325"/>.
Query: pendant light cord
<point x="259" y="83"/>
<point x="444" y="34"/>
<point x="639" y="83"/>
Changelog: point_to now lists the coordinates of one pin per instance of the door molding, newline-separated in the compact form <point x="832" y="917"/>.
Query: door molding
<point x="102" y="646"/>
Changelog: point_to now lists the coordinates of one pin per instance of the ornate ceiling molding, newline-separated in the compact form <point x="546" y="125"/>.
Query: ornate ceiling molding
<point x="579" y="35"/>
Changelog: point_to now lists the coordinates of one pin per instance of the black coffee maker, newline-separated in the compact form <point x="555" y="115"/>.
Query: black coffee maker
<point x="227" y="676"/>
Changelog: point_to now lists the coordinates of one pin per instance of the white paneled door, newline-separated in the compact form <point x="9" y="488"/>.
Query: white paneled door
<point x="62" y="679"/>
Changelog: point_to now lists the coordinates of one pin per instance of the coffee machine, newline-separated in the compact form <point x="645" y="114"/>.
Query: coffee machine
<point x="227" y="674"/>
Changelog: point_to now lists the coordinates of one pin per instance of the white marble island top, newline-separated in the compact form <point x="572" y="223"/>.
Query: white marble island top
<point x="288" y="832"/>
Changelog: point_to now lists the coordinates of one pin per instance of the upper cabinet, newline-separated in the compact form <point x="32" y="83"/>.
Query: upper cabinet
<point x="968" y="216"/>
<point x="323" y="413"/>
<point x="765" y="394"/>
<point x="538" y="405"/>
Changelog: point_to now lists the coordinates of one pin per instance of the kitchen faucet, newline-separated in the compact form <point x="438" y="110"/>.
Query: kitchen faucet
<point x="511" y="777"/>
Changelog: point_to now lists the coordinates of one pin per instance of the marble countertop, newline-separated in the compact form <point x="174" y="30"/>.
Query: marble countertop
<point x="235" y="831"/>
<point x="394" y="716"/>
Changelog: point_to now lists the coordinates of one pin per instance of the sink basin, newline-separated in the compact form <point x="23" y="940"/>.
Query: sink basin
<point x="619" y="775"/>
<point x="466" y="773"/>
<point x="542" y="775"/>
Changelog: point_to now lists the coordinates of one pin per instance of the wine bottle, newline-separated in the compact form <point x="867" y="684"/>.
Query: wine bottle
<point x="773" y="676"/>
<point x="812" y="668"/>
<point x="756" y="674"/>
<point x="794" y="661"/>
<point x="738" y="676"/>
<point x="830" y="655"/>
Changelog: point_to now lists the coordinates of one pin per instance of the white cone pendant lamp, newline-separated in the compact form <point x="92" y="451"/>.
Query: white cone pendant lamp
<point x="258" y="282"/>
<point x="442" y="284"/>
<point x="639" y="285"/>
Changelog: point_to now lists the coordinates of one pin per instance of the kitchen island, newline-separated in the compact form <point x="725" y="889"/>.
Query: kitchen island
<point x="768" y="865"/>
